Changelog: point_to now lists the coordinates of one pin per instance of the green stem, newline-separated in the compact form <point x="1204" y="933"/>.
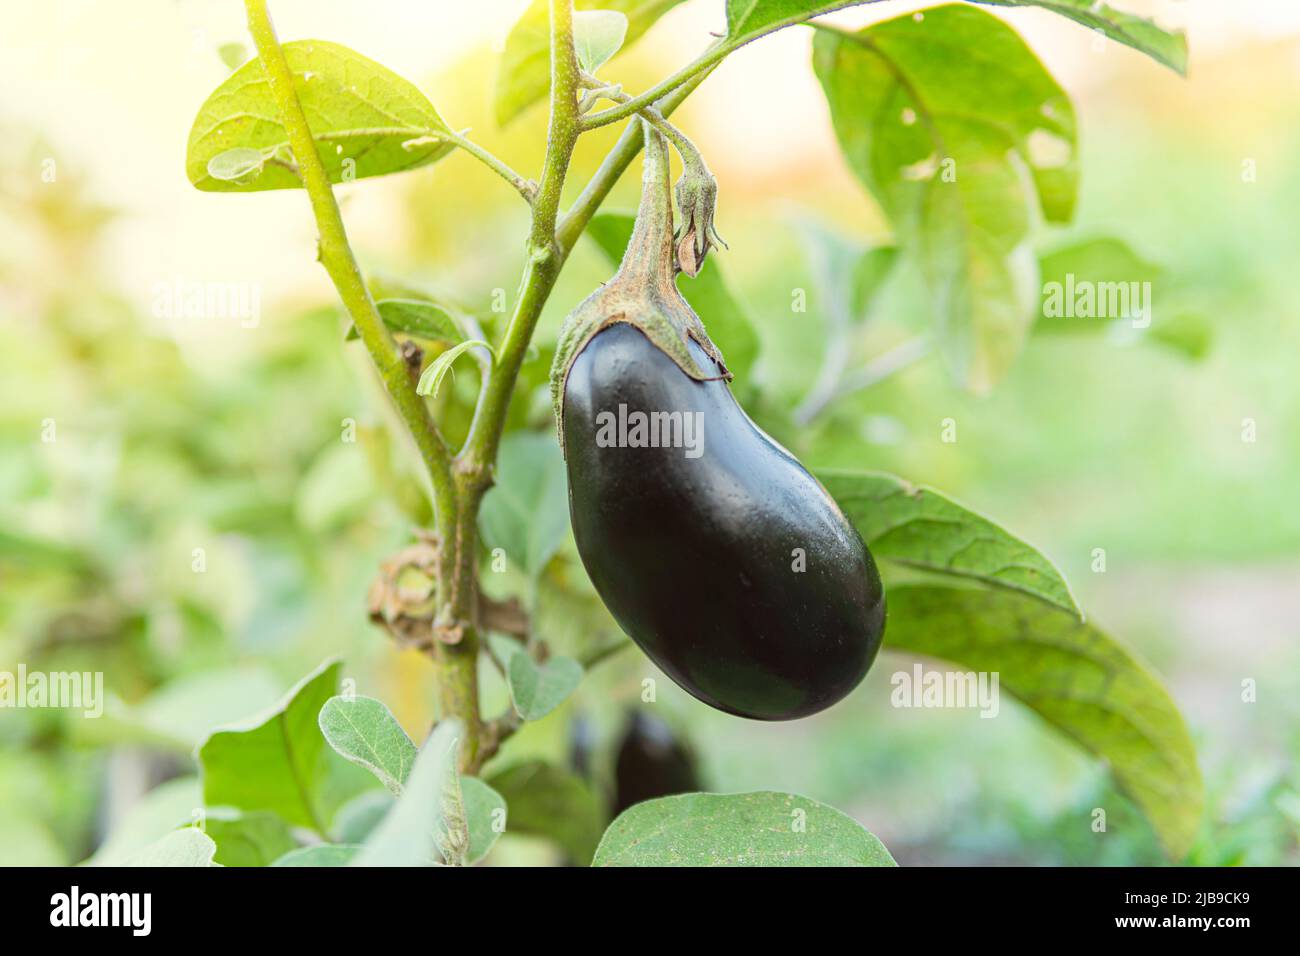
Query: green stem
<point x="545" y="258"/>
<point x="457" y="678"/>
<point x="525" y="187"/>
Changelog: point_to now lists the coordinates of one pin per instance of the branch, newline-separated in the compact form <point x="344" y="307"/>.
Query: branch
<point x="525" y="187"/>
<point x="545" y="258"/>
<point x="703" y="64"/>
<point x="335" y="254"/>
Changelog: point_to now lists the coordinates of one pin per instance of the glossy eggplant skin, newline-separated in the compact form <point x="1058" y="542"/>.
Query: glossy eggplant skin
<point x="698" y="558"/>
<point x="651" y="762"/>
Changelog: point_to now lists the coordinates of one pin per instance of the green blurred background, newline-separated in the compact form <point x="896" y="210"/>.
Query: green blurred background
<point x="173" y="434"/>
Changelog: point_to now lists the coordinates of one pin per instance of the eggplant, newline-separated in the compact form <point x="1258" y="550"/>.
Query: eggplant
<point x="711" y="545"/>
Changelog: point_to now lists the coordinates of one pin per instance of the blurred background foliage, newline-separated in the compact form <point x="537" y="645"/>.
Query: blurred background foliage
<point x="164" y="445"/>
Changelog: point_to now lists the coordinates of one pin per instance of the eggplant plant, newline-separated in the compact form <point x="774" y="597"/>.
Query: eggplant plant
<point x="748" y="578"/>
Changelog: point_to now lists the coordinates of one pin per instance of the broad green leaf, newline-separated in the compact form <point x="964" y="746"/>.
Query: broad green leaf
<point x="537" y="689"/>
<point x="922" y="528"/>
<point x="184" y="847"/>
<point x="524" y="75"/>
<point x="173" y="804"/>
<point x="1165" y="46"/>
<point x="322" y="854"/>
<point x="1101" y="284"/>
<point x="279" y="761"/>
<point x="425" y="320"/>
<point x="726" y="320"/>
<point x="427" y="823"/>
<point x="365" y="119"/>
<point x="597" y="36"/>
<point x="741" y="829"/>
<point x="483" y="808"/>
<point x="551" y="802"/>
<point x="364" y="730"/>
<point x="750" y="19"/>
<point x="248" y="839"/>
<point x="1090" y="284"/>
<point x="1077" y="678"/>
<point x="526" y="513"/>
<point x="939" y="117"/>
<point x="180" y="714"/>
<point x="431" y="378"/>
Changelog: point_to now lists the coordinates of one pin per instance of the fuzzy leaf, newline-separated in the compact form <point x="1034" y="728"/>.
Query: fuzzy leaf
<point x="364" y="730"/>
<point x="597" y="36"/>
<point x="741" y="829"/>
<point x="537" y="689"/>
<point x="524" y="77"/>
<point x="365" y="120"/>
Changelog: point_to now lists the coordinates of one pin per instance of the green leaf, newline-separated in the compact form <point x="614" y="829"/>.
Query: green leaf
<point x="173" y="804"/>
<point x="869" y="275"/>
<point x="727" y="321"/>
<point x="418" y="317"/>
<point x="597" y="36"/>
<point x="248" y="839"/>
<point x="180" y="714"/>
<point x="427" y="821"/>
<point x="742" y="829"/>
<point x="1164" y="46"/>
<point x="524" y="75"/>
<point x="322" y="854"/>
<point x="432" y="376"/>
<point x="1100" y="284"/>
<point x="551" y="802"/>
<point x="537" y="689"/>
<point x="922" y="528"/>
<point x="1078" y="679"/>
<point x="749" y="19"/>
<point x="232" y="54"/>
<point x="1090" y="277"/>
<point x="939" y="118"/>
<point x="278" y="760"/>
<point x="184" y="847"/>
<point x="364" y="731"/>
<point x="365" y="119"/>
<point x="483" y="807"/>
<point x="526" y="513"/>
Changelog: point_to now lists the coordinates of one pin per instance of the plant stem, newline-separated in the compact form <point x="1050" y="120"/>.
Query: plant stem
<point x="525" y="187"/>
<point x="545" y="258"/>
<point x="474" y="463"/>
<point x="702" y="64"/>
<point x="457" y="674"/>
